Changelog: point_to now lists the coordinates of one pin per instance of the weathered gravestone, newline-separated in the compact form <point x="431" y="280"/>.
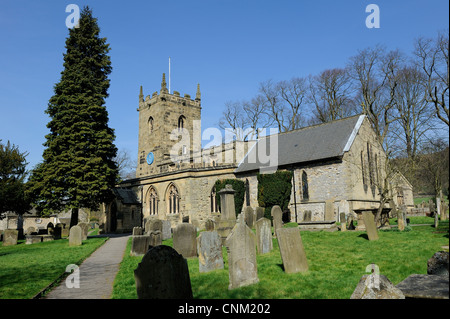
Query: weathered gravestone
<point x="259" y="213"/>
<point x="137" y="231"/>
<point x="75" y="236"/>
<point x="155" y="238"/>
<point x="185" y="240"/>
<point x="291" y="250"/>
<point x="241" y="249"/>
<point x="400" y="220"/>
<point x="263" y="236"/>
<point x="329" y="210"/>
<point x="277" y="216"/>
<point x="10" y="237"/>
<point x="369" y="222"/>
<point x="139" y="245"/>
<point x="209" y="247"/>
<point x="209" y="225"/>
<point x="154" y="224"/>
<point x="343" y="221"/>
<point x="249" y="216"/>
<point x="166" y="230"/>
<point x="32" y="239"/>
<point x="438" y="264"/>
<point x="163" y="274"/>
<point x="375" y="286"/>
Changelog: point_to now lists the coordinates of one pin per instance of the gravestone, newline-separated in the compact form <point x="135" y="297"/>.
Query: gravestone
<point x="10" y="237"/>
<point x="155" y="238"/>
<point x="227" y="218"/>
<point x="249" y="216"/>
<point x="139" y="245"/>
<point x="444" y="207"/>
<point x="369" y="222"/>
<point x="438" y="264"/>
<point x="185" y="240"/>
<point x="259" y="213"/>
<point x="209" y="225"/>
<point x="277" y="216"/>
<point x="436" y="220"/>
<point x="379" y="287"/>
<point x="75" y="236"/>
<point x="400" y="220"/>
<point x="84" y="230"/>
<point x="30" y="230"/>
<point x="241" y="249"/>
<point x="329" y="210"/>
<point x="32" y="239"/>
<point x="344" y="207"/>
<point x="263" y="236"/>
<point x="291" y="250"/>
<point x="343" y="221"/>
<point x="57" y="231"/>
<point x="137" y="231"/>
<point x="154" y="224"/>
<point x="166" y="229"/>
<point x="163" y="274"/>
<point x="209" y="247"/>
<point x="307" y="216"/>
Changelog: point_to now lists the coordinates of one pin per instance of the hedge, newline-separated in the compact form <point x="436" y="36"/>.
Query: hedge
<point x="274" y="189"/>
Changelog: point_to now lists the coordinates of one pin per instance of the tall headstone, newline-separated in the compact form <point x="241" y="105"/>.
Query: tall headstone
<point x="369" y="222"/>
<point x="277" y="216"/>
<point x="249" y="216"/>
<point x="185" y="240"/>
<point x="75" y="236"/>
<point x="10" y="237"/>
<point x="329" y="210"/>
<point x="84" y="230"/>
<point x="291" y="250"/>
<point x="400" y="220"/>
<point x="163" y="274"/>
<point x="166" y="229"/>
<point x="241" y="248"/>
<point x="343" y="221"/>
<point x="209" y="248"/>
<point x="263" y="236"/>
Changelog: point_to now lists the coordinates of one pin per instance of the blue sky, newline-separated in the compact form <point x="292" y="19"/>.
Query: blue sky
<point x="229" y="47"/>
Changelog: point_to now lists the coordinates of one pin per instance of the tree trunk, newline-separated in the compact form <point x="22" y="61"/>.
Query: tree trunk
<point x="74" y="217"/>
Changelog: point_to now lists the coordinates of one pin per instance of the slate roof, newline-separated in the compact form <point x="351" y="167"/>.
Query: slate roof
<point x="126" y="196"/>
<point x="313" y="143"/>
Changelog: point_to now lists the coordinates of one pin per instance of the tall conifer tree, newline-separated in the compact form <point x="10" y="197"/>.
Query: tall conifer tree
<point x="78" y="170"/>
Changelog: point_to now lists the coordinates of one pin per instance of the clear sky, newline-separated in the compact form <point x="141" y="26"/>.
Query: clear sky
<point x="228" y="46"/>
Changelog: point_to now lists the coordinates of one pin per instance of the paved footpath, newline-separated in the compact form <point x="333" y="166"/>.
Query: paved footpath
<point x="97" y="272"/>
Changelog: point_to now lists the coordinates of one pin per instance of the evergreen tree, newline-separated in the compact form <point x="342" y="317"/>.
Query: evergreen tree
<point x="78" y="170"/>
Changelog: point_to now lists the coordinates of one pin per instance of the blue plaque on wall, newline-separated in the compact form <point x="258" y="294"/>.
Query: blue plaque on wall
<point x="150" y="158"/>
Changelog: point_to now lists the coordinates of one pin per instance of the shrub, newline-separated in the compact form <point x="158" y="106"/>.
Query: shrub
<point x="274" y="189"/>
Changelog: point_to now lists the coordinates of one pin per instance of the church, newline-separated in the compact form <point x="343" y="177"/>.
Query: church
<point x="337" y="167"/>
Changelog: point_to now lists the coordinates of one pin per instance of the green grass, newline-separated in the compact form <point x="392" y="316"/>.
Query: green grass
<point x="27" y="269"/>
<point x="336" y="260"/>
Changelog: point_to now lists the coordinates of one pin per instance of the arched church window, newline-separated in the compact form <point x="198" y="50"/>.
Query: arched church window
<point x="173" y="200"/>
<point x="305" y="187"/>
<point x="153" y="201"/>
<point x="181" y="122"/>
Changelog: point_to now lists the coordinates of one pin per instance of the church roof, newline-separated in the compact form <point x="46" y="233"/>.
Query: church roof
<point x="309" y="144"/>
<point x="126" y="196"/>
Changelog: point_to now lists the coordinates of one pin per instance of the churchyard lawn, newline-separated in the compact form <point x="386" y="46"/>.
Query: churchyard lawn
<point x="336" y="260"/>
<point x="27" y="269"/>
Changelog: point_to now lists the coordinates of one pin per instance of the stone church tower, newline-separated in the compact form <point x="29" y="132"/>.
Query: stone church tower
<point x="169" y="131"/>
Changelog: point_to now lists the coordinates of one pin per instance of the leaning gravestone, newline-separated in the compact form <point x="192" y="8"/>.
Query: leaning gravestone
<point x="263" y="236"/>
<point x="185" y="240"/>
<point x="249" y="216"/>
<point x="241" y="248"/>
<point x="277" y="216"/>
<point x="379" y="287"/>
<point x="163" y="274"/>
<point x="291" y="250"/>
<point x="10" y="237"/>
<point x="209" y="247"/>
<point x="75" y="236"/>
<point x="438" y="264"/>
<point x="369" y="222"/>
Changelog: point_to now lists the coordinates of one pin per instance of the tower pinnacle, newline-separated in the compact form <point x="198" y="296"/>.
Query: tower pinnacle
<point x="141" y="95"/>
<point x="163" y="84"/>
<point x="198" y="95"/>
